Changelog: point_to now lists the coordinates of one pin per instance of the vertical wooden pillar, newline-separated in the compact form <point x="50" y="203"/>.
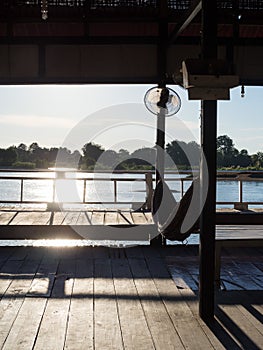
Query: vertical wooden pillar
<point x="160" y="145"/>
<point x="208" y="143"/>
<point x="159" y="166"/>
<point x="162" y="63"/>
<point x="207" y="220"/>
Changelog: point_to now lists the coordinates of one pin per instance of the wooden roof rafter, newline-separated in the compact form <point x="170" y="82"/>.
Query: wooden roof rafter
<point x="191" y="13"/>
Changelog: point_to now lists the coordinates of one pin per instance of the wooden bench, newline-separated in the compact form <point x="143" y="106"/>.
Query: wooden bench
<point x="235" y="236"/>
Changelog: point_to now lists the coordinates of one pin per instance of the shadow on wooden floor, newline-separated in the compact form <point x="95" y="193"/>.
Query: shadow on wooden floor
<point x="101" y="298"/>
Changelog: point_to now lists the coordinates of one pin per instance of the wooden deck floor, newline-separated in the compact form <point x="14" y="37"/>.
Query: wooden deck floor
<point x="133" y="298"/>
<point x="26" y="223"/>
<point x="12" y="215"/>
<point x="24" y="216"/>
<point x="74" y="224"/>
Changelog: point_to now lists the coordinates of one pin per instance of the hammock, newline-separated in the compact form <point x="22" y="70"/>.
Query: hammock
<point x="176" y="221"/>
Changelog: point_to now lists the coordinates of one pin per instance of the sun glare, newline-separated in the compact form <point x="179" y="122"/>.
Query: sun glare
<point x="57" y="243"/>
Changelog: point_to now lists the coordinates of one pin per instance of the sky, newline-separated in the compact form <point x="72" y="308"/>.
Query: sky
<point x="115" y="117"/>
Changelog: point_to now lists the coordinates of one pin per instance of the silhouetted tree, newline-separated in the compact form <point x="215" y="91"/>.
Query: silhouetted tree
<point x="109" y="158"/>
<point x="243" y="159"/>
<point x="257" y="160"/>
<point x="8" y="156"/>
<point x="22" y="153"/>
<point x="144" y="156"/>
<point x="123" y="154"/>
<point x="176" y="151"/>
<point x="226" y="152"/>
<point x="91" y="152"/>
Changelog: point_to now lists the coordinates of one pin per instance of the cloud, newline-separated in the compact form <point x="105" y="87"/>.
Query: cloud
<point x="30" y="121"/>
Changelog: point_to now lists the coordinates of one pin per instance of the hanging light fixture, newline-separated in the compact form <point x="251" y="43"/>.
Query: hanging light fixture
<point x="44" y="9"/>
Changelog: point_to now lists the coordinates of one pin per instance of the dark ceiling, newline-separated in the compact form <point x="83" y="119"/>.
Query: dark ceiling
<point x="121" y="34"/>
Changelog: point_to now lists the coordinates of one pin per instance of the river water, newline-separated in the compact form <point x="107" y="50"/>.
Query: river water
<point x="41" y="190"/>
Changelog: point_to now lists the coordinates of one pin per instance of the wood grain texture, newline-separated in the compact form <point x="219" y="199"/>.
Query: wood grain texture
<point x="104" y="298"/>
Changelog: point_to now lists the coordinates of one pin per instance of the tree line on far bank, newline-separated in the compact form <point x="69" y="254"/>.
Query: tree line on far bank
<point x="178" y="153"/>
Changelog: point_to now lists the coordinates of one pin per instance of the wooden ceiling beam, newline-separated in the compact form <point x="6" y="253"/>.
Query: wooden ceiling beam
<point x="186" y="20"/>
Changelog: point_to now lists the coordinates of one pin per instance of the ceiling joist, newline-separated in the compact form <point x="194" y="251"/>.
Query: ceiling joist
<point x="190" y="14"/>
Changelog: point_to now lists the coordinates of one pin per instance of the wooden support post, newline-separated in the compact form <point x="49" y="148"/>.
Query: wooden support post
<point x="162" y="63"/>
<point x="208" y="143"/>
<point x="207" y="219"/>
<point x="159" y="167"/>
<point x="160" y="145"/>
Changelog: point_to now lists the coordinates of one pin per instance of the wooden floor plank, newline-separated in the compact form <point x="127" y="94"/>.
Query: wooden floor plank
<point x="25" y="275"/>
<point x="71" y="218"/>
<point x="247" y="311"/>
<point x="52" y="331"/>
<point x="258" y="279"/>
<point x="58" y="218"/>
<point x="125" y="218"/>
<point x="258" y="310"/>
<point x="111" y="218"/>
<point x="162" y="329"/>
<point x="84" y="218"/>
<point x="7" y="272"/>
<point x="135" y="252"/>
<point x="238" y="231"/>
<point x="134" y="327"/>
<point x="107" y="331"/>
<point x="25" y="327"/>
<point x="182" y="276"/>
<point x="236" y="276"/>
<point x="43" y="281"/>
<point x="97" y="217"/>
<point x="9" y="308"/>
<point x="240" y="327"/>
<point x="6" y="217"/>
<point x="6" y="253"/>
<point x="139" y="218"/>
<point x="19" y="254"/>
<point x="149" y="217"/>
<point x="80" y="321"/>
<point x="41" y="218"/>
<point x="14" y="297"/>
<point x="31" y="218"/>
<point x="22" y="218"/>
<point x="178" y="309"/>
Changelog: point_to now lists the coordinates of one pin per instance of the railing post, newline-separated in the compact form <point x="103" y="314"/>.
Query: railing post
<point x="240" y="191"/>
<point x="21" y="190"/>
<point x="84" y="190"/>
<point x="182" y="188"/>
<point x="149" y="190"/>
<point x="241" y="205"/>
<point x="115" y="190"/>
<point x="54" y="190"/>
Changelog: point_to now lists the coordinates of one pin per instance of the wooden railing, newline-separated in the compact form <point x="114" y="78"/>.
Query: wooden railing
<point x="148" y="180"/>
<point x="83" y="198"/>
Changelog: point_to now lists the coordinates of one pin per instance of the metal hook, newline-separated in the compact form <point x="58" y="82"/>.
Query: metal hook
<point x="242" y="91"/>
